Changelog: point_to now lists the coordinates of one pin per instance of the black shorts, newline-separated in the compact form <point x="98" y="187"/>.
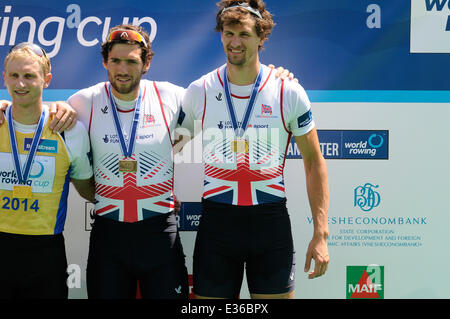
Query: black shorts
<point x="123" y="255"/>
<point x="230" y="236"/>
<point x="33" y="267"/>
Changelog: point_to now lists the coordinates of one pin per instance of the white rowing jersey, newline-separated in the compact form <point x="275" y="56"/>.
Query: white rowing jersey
<point x="147" y="192"/>
<point x="251" y="173"/>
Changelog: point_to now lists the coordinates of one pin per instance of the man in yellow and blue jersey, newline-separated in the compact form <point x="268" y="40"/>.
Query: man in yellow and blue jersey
<point x="36" y="168"/>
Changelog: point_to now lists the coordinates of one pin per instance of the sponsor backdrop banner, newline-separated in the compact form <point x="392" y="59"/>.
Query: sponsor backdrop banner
<point x="376" y="74"/>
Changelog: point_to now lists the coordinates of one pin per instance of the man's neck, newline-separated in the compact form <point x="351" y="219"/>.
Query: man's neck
<point x="27" y="115"/>
<point x="242" y="75"/>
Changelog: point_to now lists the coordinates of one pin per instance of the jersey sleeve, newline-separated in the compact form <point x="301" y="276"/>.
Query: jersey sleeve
<point x="296" y="109"/>
<point x="81" y="101"/>
<point x="78" y="147"/>
<point x="193" y="108"/>
<point x="173" y="96"/>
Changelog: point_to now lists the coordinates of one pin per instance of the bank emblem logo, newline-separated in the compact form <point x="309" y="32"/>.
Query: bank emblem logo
<point x="366" y="197"/>
<point x="365" y="282"/>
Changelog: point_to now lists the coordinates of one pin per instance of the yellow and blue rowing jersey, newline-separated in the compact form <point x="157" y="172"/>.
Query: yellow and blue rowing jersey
<point x="44" y="213"/>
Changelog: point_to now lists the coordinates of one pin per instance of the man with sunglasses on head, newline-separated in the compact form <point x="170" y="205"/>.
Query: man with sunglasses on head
<point x="36" y="167"/>
<point x="131" y="122"/>
<point x="245" y="223"/>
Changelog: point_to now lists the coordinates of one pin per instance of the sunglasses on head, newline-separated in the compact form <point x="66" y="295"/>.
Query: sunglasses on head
<point x="34" y="47"/>
<point x="126" y="35"/>
<point x="244" y="6"/>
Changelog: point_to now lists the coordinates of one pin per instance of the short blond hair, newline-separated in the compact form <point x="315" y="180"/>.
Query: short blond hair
<point x="27" y="52"/>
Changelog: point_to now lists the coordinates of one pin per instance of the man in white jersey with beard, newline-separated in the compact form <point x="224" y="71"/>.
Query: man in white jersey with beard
<point x="131" y="122"/>
<point x="248" y="117"/>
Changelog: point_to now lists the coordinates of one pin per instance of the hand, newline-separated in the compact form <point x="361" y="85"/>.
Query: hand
<point x="177" y="205"/>
<point x="283" y="73"/>
<point x="317" y="250"/>
<point x="3" y="105"/>
<point x="64" y="116"/>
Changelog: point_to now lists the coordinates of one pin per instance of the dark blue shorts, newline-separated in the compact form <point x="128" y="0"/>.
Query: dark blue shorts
<point x="231" y="237"/>
<point x="123" y="255"/>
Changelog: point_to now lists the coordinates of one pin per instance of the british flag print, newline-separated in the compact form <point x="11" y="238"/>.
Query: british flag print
<point x="266" y="110"/>
<point x="131" y="197"/>
<point x="243" y="178"/>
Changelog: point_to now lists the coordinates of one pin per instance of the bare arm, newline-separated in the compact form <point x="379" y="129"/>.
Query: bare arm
<point x="317" y="188"/>
<point x="63" y="116"/>
<point x="85" y="187"/>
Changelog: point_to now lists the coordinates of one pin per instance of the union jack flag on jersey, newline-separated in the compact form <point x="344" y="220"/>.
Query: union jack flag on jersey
<point x="136" y="198"/>
<point x="266" y="109"/>
<point x="243" y="178"/>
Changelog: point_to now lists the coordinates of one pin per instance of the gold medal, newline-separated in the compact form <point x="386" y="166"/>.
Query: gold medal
<point x="22" y="191"/>
<point x="128" y="166"/>
<point x="239" y="146"/>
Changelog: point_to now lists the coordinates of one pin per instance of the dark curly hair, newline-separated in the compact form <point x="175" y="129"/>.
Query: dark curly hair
<point x="263" y="26"/>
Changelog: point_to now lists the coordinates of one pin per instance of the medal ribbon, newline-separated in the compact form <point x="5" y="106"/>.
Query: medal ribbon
<point x="127" y="151"/>
<point x="34" y="145"/>
<point x="239" y="129"/>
